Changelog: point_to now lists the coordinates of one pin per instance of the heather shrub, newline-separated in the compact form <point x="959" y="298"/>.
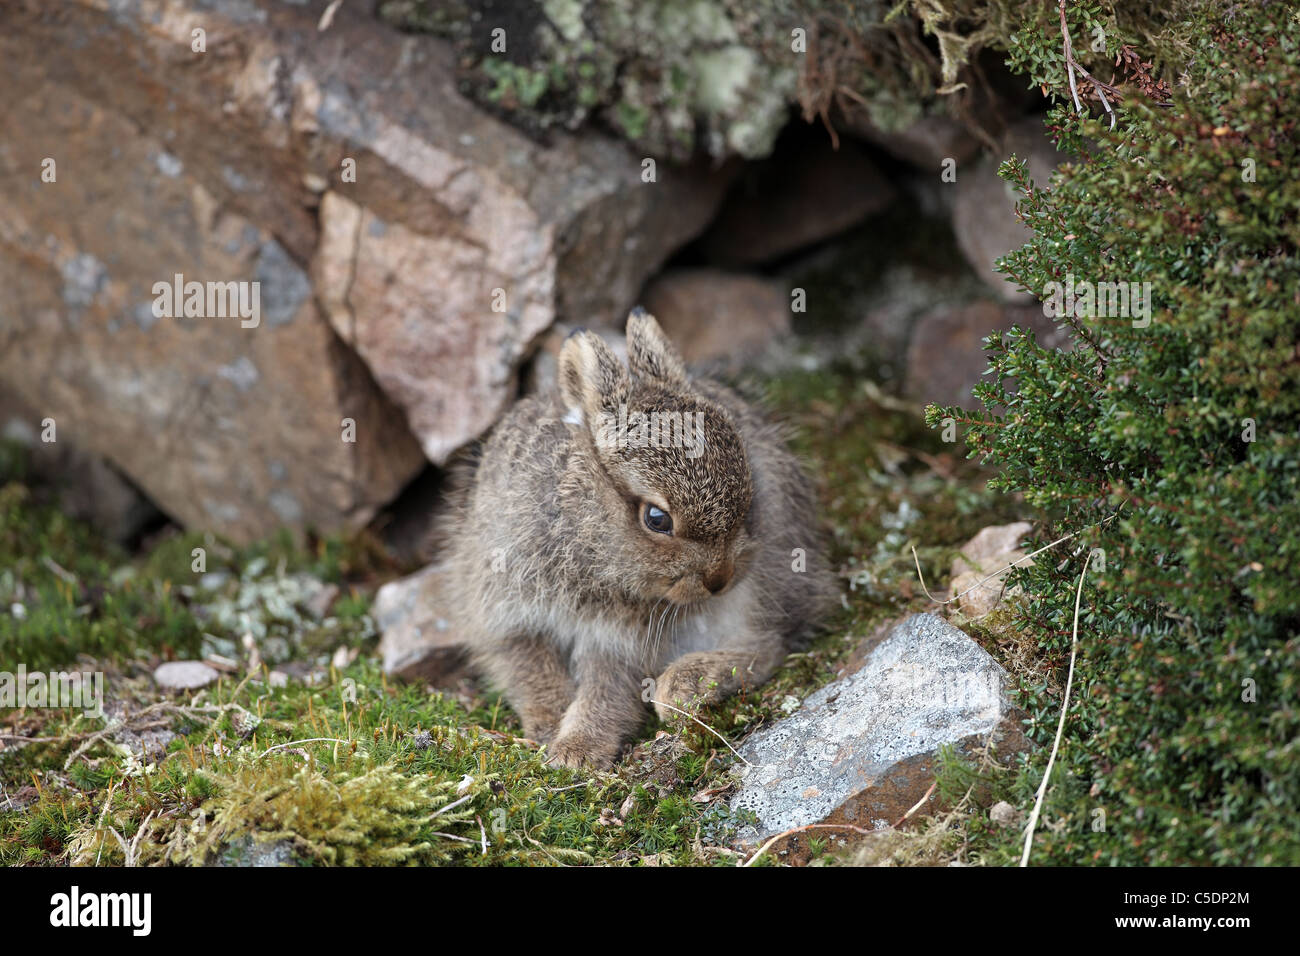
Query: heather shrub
<point x="1167" y="440"/>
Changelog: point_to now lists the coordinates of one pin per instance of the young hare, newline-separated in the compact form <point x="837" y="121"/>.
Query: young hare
<point x="633" y="538"/>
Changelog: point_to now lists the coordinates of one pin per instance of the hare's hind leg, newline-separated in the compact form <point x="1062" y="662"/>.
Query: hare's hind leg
<point x="534" y="676"/>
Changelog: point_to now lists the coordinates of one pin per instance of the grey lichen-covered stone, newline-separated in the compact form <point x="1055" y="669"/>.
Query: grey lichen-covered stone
<point x="417" y="639"/>
<point x="1005" y="815"/>
<point x="857" y="751"/>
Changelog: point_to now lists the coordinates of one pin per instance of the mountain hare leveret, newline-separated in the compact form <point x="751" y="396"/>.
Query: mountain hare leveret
<point x="631" y="538"/>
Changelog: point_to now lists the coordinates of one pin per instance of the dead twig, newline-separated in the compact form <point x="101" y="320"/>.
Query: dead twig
<point x="64" y="575"/>
<point x="453" y="804"/>
<point x="706" y="727"/>
<point x="309" y="740"/>
<point x="1071" y="65"/>
<point x="920" y="803"/>
<point x="1060" y="726"/>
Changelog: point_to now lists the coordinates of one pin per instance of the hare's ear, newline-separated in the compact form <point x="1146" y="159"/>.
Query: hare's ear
<point x="649" y="353"/>
<point x="592" y="379"/>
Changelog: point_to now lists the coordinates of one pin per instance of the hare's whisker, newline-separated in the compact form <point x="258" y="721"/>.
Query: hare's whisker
<point x="659" y="636"/>
<point x="649" y="628"/>
<point x="655" y="645"/>
<point x="672" y="627"/>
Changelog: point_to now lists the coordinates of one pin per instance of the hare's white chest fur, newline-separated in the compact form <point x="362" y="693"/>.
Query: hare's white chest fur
<point x="665" y="633"/>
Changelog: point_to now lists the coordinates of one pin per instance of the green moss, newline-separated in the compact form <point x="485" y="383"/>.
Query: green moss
<point x="632" y="120"/>
<point x="382" y="795"/>
<point x="515" y="86"/>
<point x="354" y="815"/>
<point x="59" y="597"/>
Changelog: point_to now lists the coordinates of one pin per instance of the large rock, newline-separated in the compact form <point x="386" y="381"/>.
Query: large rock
<point x="673" y="78"/>
<point x="984" y="206"/>
<point x="861" y="750"/>
<point x="226" y="165"/>
<point x="238" y="429"/>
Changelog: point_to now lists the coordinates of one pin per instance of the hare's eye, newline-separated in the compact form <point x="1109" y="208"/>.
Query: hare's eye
<point x="656" y="519"/>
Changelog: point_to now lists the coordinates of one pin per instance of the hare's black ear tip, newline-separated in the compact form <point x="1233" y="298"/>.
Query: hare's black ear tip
<point x="638" y="311"/>
<point x="575" y="332"/>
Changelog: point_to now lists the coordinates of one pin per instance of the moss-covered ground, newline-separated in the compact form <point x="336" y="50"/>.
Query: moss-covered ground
<point x="314" y="757"/>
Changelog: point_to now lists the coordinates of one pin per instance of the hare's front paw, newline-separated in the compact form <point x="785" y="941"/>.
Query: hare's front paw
<point x="685" y="685"/>
<point x="580" y="750"/>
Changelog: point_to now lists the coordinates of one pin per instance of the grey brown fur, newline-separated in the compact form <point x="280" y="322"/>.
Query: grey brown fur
<point x="572" y="604"/>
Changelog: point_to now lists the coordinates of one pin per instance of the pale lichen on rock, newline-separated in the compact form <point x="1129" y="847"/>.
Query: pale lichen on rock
<point x="668" y="76"/>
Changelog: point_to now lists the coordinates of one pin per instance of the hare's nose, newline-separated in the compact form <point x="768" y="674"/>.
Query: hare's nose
<point x="717" y="579"/>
